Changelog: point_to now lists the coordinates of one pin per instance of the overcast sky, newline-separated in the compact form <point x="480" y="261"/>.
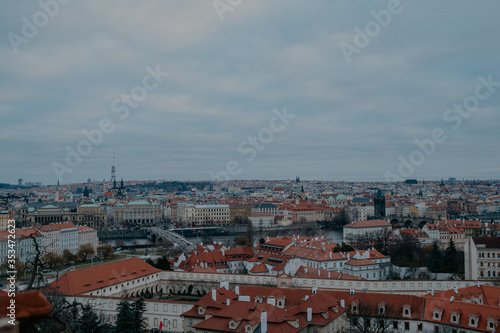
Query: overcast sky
<point x="353" y="93"/>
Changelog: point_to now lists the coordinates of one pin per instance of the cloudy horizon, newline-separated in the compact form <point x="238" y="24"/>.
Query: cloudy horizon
<point x="178" y="90"/>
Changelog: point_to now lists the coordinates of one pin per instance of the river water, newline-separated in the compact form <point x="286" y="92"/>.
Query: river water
<point x="332" y="235"/>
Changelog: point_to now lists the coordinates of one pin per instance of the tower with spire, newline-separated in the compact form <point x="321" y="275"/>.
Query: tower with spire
<point x="118" y="192"/>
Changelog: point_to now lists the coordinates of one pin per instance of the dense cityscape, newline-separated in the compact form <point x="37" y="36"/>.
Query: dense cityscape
<point x="249" y="166"/>
<point x="173" y="250"/>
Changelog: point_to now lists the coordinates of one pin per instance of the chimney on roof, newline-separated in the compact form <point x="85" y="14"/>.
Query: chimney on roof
<point x="243" y="298"/>
<point x="431" y="291"/>
<point x="237" y="290"/>
<point x="328" y="274"/>
<point x="315" y="290"/>
<point x="452" y="299"/>
<point x="271" y="300"/>
<point x="214" y="295"/>
<point x="228" y="301"/>
<point x="319" y="272"/>
<point x="309" y="315"/>
<point x="351" y="292"/>
<point x="263" y="322"/>
<point x="305" y="270"/>
<point x="455" y="289"/>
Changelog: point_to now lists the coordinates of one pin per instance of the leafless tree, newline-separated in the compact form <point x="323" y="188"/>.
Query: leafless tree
<point x="53" y="261"/>
<point x="250" y="231"/>
<point x="382" y="240"/>
<point x="106" y="251"/>
<point x="36" y="265"/>
<point x="370" y="318"/>
<point x="165" y="247"/>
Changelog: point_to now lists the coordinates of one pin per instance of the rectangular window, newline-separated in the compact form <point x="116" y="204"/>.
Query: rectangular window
<point x="407" y="326"/>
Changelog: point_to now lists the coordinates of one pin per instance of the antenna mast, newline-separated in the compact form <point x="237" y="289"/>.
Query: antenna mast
<point x="113" y="170"/>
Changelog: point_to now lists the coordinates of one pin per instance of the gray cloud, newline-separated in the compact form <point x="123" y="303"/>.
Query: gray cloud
<point x="353" y="120"/>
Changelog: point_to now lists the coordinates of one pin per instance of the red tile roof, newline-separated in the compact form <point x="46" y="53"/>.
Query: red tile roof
<point x="367" y="224"/>
<point x="84" y="228"/>
<point x="360" y="262"/>
<point x="260" y="268"/>
<point x="239" y="251"/>
<point x="213" y="259"/>
<point x="96" y="277"/>
<point x="249" y="313"/>
<point x="279" y="241"/>
<point x="490" y="295"/>
<point x="20" y="233"/>
<point x="30" y="305"/>
<point x="57" y="226"/>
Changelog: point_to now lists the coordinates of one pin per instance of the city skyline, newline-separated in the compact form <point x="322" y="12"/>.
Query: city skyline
<point x="179" y="91"/>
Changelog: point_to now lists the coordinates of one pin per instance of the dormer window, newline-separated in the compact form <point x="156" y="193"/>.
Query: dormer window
<point x="355" y="306"/>
<point x="492" y="323"/>
<point x="201" y="311"/>
<point x="406" y="310"/>
<point x="233" y="324"/>
<point x="381" y="308"/>
<point x="438" y="313"/>
<point x="473" y="319"/>
<point x="455" y="316"/>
